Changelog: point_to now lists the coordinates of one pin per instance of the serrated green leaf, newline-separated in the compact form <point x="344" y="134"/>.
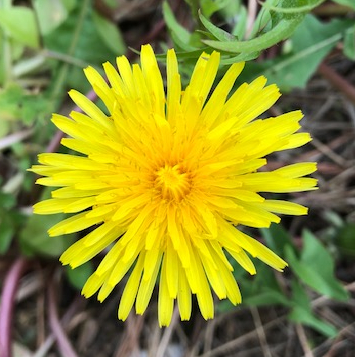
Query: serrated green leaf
<point x="21" y="25"/>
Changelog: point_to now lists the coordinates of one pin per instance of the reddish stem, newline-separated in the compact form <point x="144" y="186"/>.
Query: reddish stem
<point x="63" y="342"/>
<point x="7" y="304"/>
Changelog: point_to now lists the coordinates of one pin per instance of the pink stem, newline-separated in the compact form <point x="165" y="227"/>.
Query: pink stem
<point x="7" y="304"/>
<point x="63" y="342"/>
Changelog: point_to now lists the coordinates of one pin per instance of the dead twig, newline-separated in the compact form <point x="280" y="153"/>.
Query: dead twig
<point x="303" y="341"/>
<point x="260" y="331"/>
<point x="337" y="81"/>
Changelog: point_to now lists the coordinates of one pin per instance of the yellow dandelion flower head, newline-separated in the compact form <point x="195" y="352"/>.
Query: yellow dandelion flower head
<point x="165" y="178"/>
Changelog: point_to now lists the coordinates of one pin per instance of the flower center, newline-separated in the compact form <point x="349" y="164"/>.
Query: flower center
<point x="172" y="182"/>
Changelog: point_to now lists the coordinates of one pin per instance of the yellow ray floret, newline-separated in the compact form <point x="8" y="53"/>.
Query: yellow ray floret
<point x="164" y="178"/>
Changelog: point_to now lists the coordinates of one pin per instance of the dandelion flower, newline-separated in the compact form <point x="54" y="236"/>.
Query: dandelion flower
<point x="165" y="179"/>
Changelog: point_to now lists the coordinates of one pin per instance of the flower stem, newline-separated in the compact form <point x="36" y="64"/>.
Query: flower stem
<point x="7" y="304"/>
<point x="64" y="344"/>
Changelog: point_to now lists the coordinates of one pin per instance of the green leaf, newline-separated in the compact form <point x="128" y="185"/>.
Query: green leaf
<point x="209" y="7"/>
<point x="6" y="231"/>
<point x="78" y="276"/>
<point x="296" y="9"/>
<point x="305" y="317"/>
<point x="263" y="289"/>
<point x="306" y="274"/>
<point x="16" y="104"/>
<point x="310" y="43"/>
<point x="345" y="239"/>
<point x="218" y="33"/>
<point x="111" y="3"/>
<point x="7" y="200"/>
<point x="70" y="4"/>
<point x="109" y="34"/>
<point x="179" y="34"/>
<point x="277" y="238"/>
<point x="265" y="20"/>
<point x="10" y="220"/>
<point x="50" y="14"/>
<point x="20" y="23"/>
<point x="241" y="23"/>
<point x="230" y="12"/>
<point x="243" y="57"/>
<point x="282" y="30"/>
<point x="89" y="48"/>
<point x="266" y="297"/>
<point x="9" y="102"/>
<point x="349" y="43"/>
<point x="302" y="312"/>
<point x="34" y="239"/>
<point x="316" y="268"/>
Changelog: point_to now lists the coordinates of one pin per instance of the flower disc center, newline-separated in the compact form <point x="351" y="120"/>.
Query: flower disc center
<point x="172" y="182"/>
